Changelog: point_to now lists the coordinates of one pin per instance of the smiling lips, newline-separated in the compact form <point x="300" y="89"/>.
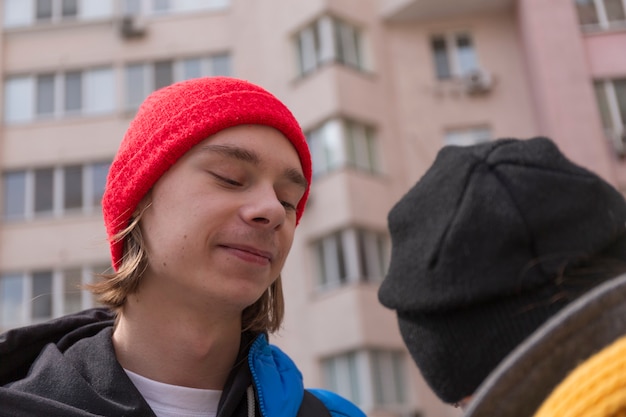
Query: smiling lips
<point x="250" y="254"/>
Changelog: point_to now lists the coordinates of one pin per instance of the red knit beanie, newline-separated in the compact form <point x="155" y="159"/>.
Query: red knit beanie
<point x="174" y="119"/>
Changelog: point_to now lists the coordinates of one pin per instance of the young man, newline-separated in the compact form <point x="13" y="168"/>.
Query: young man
<point x="201" y="204"/>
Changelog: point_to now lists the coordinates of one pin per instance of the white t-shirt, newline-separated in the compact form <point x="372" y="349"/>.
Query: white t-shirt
<point x="175" y="401"/>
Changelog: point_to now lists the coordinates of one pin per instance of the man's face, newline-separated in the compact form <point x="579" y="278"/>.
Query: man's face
<point x="219" y="223"/>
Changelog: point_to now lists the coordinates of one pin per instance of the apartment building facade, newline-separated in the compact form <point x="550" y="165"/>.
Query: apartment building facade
<point x="379" y="86"/>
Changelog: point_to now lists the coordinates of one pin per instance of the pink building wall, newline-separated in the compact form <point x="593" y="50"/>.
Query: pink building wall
<point x="561" y="81"/>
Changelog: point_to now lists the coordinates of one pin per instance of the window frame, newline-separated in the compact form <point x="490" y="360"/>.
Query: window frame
<point x="31" y="110"/>
<point x="330" y="39"/>
<point x="351" y="255"/>
<point x="341" y="142"/>
<point x="58" y="290"/>
<point x="612" y="115"/>
<point x="58" y="209"/>
<point x="148" y="72"/>
<point x="356" y="375"/>
<point x="453" y="54"/>
<point x="601" y="14"/>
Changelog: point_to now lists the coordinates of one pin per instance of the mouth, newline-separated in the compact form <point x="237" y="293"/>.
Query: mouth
<point x="249" y="254"/>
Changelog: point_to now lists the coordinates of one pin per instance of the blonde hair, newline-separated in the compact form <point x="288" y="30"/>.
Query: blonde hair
<point x="265" y="315"/>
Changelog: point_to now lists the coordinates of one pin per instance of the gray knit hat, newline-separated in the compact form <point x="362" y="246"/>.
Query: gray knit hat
<point x="478" y="248"/>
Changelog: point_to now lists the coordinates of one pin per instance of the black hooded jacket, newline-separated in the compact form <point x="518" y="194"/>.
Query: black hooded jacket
<point x="67" y="368"/>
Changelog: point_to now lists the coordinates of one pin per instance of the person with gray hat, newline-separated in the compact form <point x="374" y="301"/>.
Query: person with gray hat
<point x="489" y="244"/>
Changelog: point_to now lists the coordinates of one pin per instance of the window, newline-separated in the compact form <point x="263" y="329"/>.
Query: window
<point x="466" y="137"/>
<point x="168" y="6"/>
<point x="45" y="94"/>
<point x="369" y="378"/>
<point x="41" y="304"/>
<point x="59" y="94"/>
<point x="43" y="9"/>
<point x="31" y="12"/>
<point x="98" y="174"/>
<point x="144" y="78"/>
<point x="601" y="14"/>
<point x="53" y="191"/>
<point x="11" y="301"/>
<point x="611" y="97"/>
<point x="73" y="91"/>
<point x="454" y="55"/>
<point x="28" y="297"/>
<point x="342" y="143"/>
<point x="69" y="8"/>
<point x="349" y="256"/>
<point x="14" y="195"/>
<point x="73" y="187"/>
<point x="330" y="39"/>
<point x="44" y="191"/>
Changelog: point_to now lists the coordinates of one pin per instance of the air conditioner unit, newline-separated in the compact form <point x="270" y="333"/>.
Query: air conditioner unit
<point x="477" y="82"/>
<point x="131" y="26"/>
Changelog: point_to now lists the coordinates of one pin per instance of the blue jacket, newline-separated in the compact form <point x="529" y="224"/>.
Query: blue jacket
<point x="67" y="367"/>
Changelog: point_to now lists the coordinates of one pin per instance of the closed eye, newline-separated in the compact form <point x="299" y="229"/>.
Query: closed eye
<point x="227" y="180"/>
<point x="287" y="205"/>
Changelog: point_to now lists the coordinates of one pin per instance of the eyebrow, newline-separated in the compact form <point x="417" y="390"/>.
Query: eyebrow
<point x="253" y="158"/>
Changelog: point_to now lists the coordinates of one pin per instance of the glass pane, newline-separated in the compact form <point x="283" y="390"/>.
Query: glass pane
<point x="161" y="5"/>
<point x="603" y="104"/>
<point x="316" y="146"/>
<point x="14" y="195"/>
<point x="45" y="94"/>
<point x="333" y="136"/>
<point x="587" y="14"/>
<point x="11" y="296"/>
<point x="131" y="7"/>
<point x="18" y="99"/>
<point x="466" y="54"/>
<point x="163" y="74"/>
<point x="324" y="40"/>
<point x="440" y="55"/>
<point x="135" y="85"/>
<point x="221" y="65"/>
<point x="614" y="10"/>
<point x="348" y="44"/>
<point x="99" y="91"/>
<point x="466" y="137"/>
<point x="192" y="68"/>
<point x="372" y="150"/>
<point x="73" y="91"/>
<point x="307" y="51"/>
<point x="398" y="372"/>
<point x="73" y="182"/>
<point x="358" y="146"/>
<point x="620" y="92"/>
<point x="354" y="378"/>
<point x="43" y="9"/>
<point x="17" y="13"/>
<point x="44" y="192"/>
<point x="69" y="8"/>
<point x="94" y="9"/>
<point x="42" y="295"/>
<point x="72" y="296"/>
<point x="99" y="176"/>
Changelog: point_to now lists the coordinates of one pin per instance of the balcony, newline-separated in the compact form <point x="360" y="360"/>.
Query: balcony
<point x="414" y="10"/>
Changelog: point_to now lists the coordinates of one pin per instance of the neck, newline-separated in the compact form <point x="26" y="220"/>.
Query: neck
<point x="177" y="346"/>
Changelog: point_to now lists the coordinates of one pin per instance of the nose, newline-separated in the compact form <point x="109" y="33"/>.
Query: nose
<point x="264" y="209"/>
